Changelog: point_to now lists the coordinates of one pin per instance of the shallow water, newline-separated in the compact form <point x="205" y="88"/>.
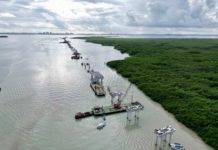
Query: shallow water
<point x="42" y="89"/>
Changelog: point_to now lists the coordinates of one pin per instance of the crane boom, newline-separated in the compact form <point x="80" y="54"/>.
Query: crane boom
<point x="126" y="92"/>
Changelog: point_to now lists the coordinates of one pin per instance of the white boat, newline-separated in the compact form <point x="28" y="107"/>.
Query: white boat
<point x="101" y="125"/>
<point x="176" y="146"/>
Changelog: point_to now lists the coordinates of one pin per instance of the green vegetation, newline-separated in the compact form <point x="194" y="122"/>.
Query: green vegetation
<point x="180" y="74"/>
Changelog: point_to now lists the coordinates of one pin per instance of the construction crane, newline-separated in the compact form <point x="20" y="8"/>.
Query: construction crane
<point x="117" y="97"/>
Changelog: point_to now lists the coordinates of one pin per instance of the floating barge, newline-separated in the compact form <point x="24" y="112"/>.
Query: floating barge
<point x="98" y="89"/>
<point x="96" y="83"/>
<point x="107" y="110"/>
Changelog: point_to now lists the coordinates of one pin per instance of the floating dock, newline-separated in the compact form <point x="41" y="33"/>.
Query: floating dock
<point x="107" y="110"/>
<point x="98" y="89"/>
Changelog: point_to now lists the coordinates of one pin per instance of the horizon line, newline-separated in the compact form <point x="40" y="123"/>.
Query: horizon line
<point x="70" y="33"/>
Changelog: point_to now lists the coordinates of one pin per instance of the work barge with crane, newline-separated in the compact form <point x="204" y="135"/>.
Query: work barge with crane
<point x="108" y="110"/>
<point x="115" y="107"/>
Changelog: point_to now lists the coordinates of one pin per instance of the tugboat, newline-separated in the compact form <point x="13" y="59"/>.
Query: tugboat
<point x="176" y="146"/>
<point x="80" y="115"/>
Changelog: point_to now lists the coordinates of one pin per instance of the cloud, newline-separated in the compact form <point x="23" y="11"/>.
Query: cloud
<point x="171" y="13"/>
<point x="117" y="2"/>
<point x="110" y="16"/>
<point x="7" y="15"/>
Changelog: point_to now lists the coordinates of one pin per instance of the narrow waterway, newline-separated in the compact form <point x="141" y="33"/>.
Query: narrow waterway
<point x="42" y="89"/>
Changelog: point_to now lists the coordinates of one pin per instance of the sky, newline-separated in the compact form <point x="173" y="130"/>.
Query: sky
<point x="110" y="16"/>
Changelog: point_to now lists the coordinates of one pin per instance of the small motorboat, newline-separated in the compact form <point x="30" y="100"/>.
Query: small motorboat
<point x="176" y="146"/>
<point x="101" y="125"/>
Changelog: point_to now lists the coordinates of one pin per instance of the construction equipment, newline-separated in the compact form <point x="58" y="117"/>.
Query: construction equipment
<point x="117" y="97"/>
<point x="97" y="83"/>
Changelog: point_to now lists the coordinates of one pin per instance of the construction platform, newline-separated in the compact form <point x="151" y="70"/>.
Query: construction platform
<point x="98" y="89"/>
<point x="107" y="110"/>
